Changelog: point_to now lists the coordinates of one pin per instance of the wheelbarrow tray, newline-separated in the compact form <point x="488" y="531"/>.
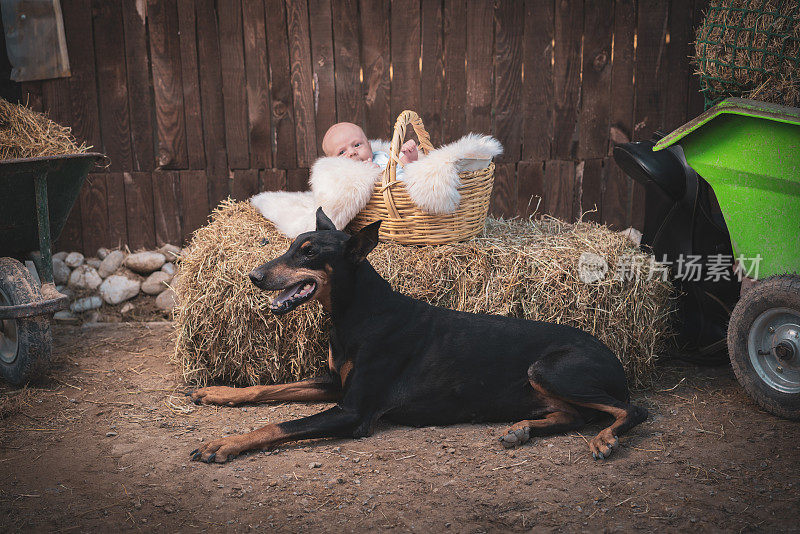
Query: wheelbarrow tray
<point x="19" y="232"/>
<point x="749" y="152"/>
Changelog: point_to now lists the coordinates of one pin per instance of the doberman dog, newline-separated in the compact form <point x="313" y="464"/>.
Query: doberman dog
<point x="411" y="363"/>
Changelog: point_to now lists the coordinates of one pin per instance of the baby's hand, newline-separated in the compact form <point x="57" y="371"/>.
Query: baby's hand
<point x="409" y="152"/>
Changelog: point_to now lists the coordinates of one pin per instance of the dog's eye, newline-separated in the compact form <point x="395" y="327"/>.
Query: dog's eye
<point x="309" y="251"/>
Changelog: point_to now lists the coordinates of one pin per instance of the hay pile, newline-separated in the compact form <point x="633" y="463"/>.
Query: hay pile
<point x="750" y="49"/>
<point x="226" y="332"/>
<point x="24" y="133"/>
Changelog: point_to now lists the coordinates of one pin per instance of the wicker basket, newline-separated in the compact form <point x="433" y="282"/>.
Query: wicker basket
<point x="403" y="222"/>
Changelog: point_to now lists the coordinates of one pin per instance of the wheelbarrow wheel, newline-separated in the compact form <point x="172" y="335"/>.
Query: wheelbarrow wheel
<point x="764" y="344"/>
<point x="25" y="343"/>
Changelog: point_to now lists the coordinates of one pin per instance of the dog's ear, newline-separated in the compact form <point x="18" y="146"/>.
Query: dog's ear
<point x="323" y="222"/>
<point x="362" y="243"/>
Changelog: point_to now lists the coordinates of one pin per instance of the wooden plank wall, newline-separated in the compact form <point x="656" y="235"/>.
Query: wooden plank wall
<point x="197" y="100"/>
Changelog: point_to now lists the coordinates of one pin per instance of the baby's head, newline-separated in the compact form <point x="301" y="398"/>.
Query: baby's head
<point x="347" y="140"/>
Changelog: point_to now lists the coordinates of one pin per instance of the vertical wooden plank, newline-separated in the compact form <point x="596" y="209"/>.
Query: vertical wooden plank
<point x="211" y="98"/>
<point x="649" y="74"/>
<point x="94" y="213"/>
<point x="566" y="77"/>
<point x="322" y="66"/>
<point x="375" y="54"/>
<point x="31" y="95"/>
<point x="187" y="29"/>
<point x="592" y="190"/>
<point x="113" y="91"/>
<point x="559" y="188"/>
<point x="405" y="26"/>
<point x="617" y="187"/>
<point x="134" y="16"/>
<point x="273" y="180"/>
<point x="480" y="43"/>
<point x="71" y="238"/>
<point x="537" y="87"/>
<point x="82" y="84"/>
<point x="504" y="194"/>
<point x="508" y="21"/>
<point x="302" y="85"/>
<point x="297" y="180"/>
<point x="166" y="208"/>
<point x="234" y="93"/>
<point x="622" y="94"/>
<point x="675" y="82"/>
<point x="595" y="114"/>
<point x="695" y="103"/>
<point x="245" y="184"/>
<point x="615" y="195"/>
<point x="194" y="202"/>
<point x="139" y="210"/>
<point x="56" y="100"/>
<point x="431" y="77"/>
<point x="530" y="188"/>
<point x="349" y="93"/>
<point x="117" y="221"/>
<point x="455" y="76"/>
<point x="256" y="65"/>
<point x="162" y="22"/>
<point x="650" y="67"/>
<point x="283" y="137"/>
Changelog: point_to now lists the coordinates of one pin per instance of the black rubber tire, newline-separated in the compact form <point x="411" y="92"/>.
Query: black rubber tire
<point x="774" y="292"/>
<point x="34" y="337"/>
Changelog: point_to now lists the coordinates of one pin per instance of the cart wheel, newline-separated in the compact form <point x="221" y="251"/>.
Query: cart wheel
<point x="764" y="344"/>
<point x="25" y="343"/>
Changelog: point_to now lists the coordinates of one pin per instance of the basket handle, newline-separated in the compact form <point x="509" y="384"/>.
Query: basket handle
<point x="389" y="176"/>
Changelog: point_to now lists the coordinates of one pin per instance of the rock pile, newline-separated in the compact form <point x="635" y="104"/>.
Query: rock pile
<point x="114" y="277"/>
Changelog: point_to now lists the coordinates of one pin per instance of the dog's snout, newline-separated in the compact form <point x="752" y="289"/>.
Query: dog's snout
<point x="256" y="277"/>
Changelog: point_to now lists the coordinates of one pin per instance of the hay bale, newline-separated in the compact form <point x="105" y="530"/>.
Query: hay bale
<point x="750" y="49"/>
<point x="24" y="133"/>
<point x="226" y="332"/>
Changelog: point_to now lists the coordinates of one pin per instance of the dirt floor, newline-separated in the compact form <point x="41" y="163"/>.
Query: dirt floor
<point x="103" y="444"/>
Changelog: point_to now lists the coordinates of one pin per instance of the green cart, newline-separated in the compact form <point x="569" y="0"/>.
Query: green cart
<point x="749" y="152"/>
<point x="36" y="195"/>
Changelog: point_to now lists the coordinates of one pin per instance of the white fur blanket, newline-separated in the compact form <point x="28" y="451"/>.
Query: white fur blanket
<point x="342" y="187"/>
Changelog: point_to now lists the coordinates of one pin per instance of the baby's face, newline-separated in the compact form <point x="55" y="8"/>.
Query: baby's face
<point x="349" y="141"/>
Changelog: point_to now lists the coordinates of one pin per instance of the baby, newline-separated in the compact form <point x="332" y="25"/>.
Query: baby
<point x="348" y="140"/>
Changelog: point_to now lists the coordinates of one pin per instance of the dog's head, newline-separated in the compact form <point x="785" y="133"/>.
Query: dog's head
<point x="306" y="271"/>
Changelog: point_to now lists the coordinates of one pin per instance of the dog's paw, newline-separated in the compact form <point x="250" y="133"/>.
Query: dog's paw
<point x="217" y="451"/>
<point x="220" y="395"/>
<point x="603" y="444"/>
<point x="516" y="437"/>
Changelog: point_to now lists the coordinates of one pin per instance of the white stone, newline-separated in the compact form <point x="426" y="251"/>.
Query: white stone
<point x="65" y="316"/>
<point x="145" y="262"/>
<point x="127" y="308"/>
<point x="169" y="268"/>
<point x="93" y="262"/>
<point x="60" y="255"/>
<point x="166" y="301"/>
<point x="171" y="252"/>
<point x="111" y="263"/>
<point x="116" y="289"/>
<point x="156" y="283"/>
<point x="74" y="259"/>
<point x="85" y="277"/>
<point x="86" y="304"/>
<point x="66" y="291"/>
<point x="102" y="253"/>
<point x="60" y="271"/>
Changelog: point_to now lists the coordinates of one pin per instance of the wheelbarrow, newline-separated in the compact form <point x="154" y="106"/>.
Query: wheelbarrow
<point x="36" y="195"/>
<point x="749" y="153"/>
